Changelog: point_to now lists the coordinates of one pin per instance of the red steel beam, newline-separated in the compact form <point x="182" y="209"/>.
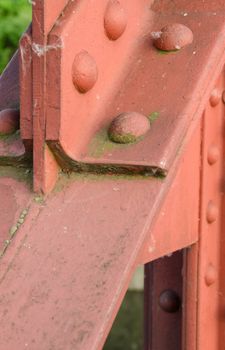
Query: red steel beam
<point x="72" y="253"/>
<point x="74" y="276"/>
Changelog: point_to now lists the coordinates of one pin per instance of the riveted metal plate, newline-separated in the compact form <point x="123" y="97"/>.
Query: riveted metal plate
<point x="127" y="70"/>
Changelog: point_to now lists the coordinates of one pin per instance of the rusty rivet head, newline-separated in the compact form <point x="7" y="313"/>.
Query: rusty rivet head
<point x="169" y="301"/>
<point x="213" y="154"/>
<point x="128" y="127"/>
<point x="172" y="37"/>
<point x="9" y="121"/>
<point x="215" y="97"/>
<point x="212" y="212"/>
<point x="84" y="72"/>
<point x="210" y="275"/>
<point x="115" y="20"/>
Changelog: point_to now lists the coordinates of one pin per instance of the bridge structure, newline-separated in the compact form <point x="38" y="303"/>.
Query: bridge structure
<point x="111" y="157"/>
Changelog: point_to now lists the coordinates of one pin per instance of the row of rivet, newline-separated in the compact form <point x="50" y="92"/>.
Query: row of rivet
<point x="171" y="37"/>
<point x="212" y="210"/>
<point x="127" y="127"/>
<point x="169" y="300"/>
<point x="85" y="70"/>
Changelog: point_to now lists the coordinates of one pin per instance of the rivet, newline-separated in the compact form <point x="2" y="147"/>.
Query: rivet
<point x="84" y="71"/>
<point x="9" y="121"/>
<point x="210" y="275"/>
<point x="215" y="97"/>
<point x="213" y="154"/>
<point x="212" y="212"/>
<point x="169" y="301"/>
<point x="128" y="127"/>
<point x="172" y="37"/>
<point x="223" y="96"/>
<point x="115" y="20"/>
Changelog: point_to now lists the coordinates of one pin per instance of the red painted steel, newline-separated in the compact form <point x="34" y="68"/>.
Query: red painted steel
<point x="98" y="226"/>
<point x="9" y="84"/>
<point x="71" y="131"/>
<point x="147" y="66"/>
<point x="67" y="257"/>
<point x="26" y="104"/>
<point x="15" y="197"/>
<point x="210" y="227"/>
<point x="176" y="227"/>
<point x="163" y="318"/>
<point x="222" y="288"/>
<point x="190" y="299"/>
<point x="204" y="289"/>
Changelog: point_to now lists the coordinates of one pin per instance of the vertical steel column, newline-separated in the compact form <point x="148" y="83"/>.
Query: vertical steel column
<point x="204" y="317"/>
<point x="163" y="304"/>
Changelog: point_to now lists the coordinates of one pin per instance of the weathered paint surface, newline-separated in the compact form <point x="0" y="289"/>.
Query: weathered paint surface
<point x="76" y="134"/>
<point x="98" y="226"/>
<point x="15" y="199"/>
<point x="147" y="68"/>
<point x="175" y="226"/>
<point x="212" y="191"/>
<point x="67" y="258"/>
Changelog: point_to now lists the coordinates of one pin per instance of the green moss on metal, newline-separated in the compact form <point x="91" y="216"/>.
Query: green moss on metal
<point x="65" y="178"/>
<point x="101" y="144"/>
<point x="13" y="230"/>
<point x="39" y="199"/>
<point x="10" y="137"/>
<point x="124" y="139"/>
<point x="165" y="52"/>
<point x="102" y="170"/>
<point x="153" y="116"/>
<point x="17" y="173"/>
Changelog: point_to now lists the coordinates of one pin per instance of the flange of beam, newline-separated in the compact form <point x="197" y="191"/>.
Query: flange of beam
<point x="79" y="262"/>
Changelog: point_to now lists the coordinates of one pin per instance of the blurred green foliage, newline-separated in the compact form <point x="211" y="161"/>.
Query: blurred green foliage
<point x="127" y="331"/>
<point x="15" y="16"/>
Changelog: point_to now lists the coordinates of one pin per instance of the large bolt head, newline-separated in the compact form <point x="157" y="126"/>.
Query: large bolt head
<point x="169" y="301"/>
<point x="173" y="37"/>
<point x="128" y="127"/>
<point x="84" y="71"/>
